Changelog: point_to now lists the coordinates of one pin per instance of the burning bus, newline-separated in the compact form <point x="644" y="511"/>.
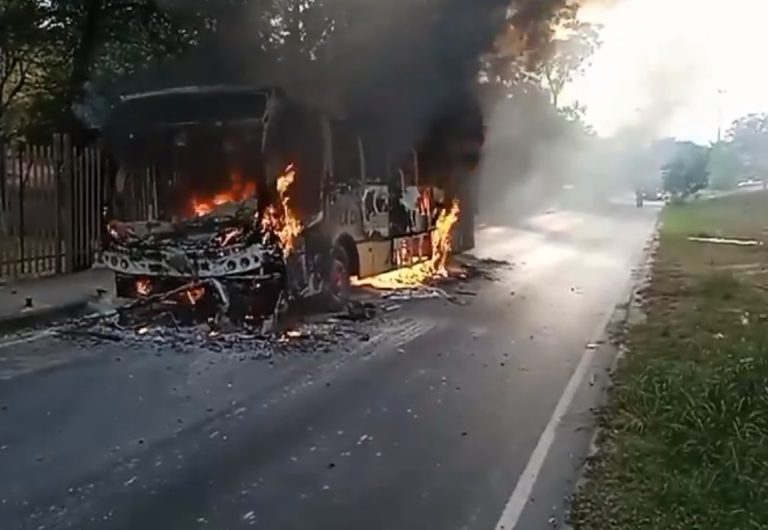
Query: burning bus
<point x="249" y="195"/>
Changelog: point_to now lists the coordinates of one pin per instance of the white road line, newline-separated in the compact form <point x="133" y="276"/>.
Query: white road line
<point x="27" y="339"/>
<point x="522" y="493"/>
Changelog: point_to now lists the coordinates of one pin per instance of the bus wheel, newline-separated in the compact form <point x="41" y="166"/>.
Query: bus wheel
<point x="338" y="282"/>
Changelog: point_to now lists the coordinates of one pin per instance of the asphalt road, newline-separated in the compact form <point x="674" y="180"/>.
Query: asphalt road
<point x="427" y="424"/>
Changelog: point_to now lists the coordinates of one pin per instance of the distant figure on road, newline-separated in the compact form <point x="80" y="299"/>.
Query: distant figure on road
<point x="639" y="198"/>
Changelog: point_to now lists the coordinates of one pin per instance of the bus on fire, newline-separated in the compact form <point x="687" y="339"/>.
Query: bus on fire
<point x="255" y="196"/>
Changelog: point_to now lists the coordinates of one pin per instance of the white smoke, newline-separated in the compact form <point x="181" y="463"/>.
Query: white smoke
<point x="675" y="66"/>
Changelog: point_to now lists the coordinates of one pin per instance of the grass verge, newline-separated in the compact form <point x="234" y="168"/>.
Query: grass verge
<point x="684" y="443"/>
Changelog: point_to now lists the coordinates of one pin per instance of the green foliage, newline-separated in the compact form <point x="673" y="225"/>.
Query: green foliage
<point x="739" y="213"/>
<point x="74" y="52"/>
<point x="562" y="50"/>
<point x="106" y="40"/>
<point x="53" y="53"/>
<point x="748" y="138"/>
<point x="725" y="167"/>
<point x="25" y="46"/>
<point x="567" y="55"/>
<point x="687" y="172"/>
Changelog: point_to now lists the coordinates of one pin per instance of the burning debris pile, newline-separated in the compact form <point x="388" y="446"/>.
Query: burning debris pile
<point x="312" y="335"/>
<point x="207" y="266"/>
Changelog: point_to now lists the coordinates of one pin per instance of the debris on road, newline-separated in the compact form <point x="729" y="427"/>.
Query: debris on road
<point x="726" y="241"/>
<point x="357" y="311"/>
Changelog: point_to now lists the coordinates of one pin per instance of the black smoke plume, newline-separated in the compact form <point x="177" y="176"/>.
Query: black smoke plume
<point x="393" y="67"/>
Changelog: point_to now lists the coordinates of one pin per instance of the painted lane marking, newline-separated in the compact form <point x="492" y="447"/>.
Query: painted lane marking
<point x="28" y="339"/>
<point x="522" y="492"/>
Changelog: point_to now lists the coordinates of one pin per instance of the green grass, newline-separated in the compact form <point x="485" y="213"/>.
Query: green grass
<point x="685" y="437"/>
<point x="734" y="216"/>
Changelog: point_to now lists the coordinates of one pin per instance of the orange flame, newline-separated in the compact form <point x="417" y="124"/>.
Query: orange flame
<point x="425" y="201"/>
<point x="442" y="240"/>
<point x="238" y="191"/>
<point x="201" y="208"/>
<point x="420" y="273"/>
<point x="194" y="294"/>
<point x="143" y="287"/>
<point x="281" y="220"/>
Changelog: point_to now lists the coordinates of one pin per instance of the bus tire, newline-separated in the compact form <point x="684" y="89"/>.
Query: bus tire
<point x="338" y="282"/>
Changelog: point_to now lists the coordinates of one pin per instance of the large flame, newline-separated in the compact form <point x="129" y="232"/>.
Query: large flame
<point x="425" y="201"/>
<point x="442" y="241"/>
<point x="421" y="273"/>
<point x="143" y="287"/>
<point x="239" y="190"/>
<point x="280" y="219"/>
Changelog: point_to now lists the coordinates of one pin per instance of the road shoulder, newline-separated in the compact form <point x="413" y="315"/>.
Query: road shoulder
<point x="549" y="496"/>
<point x="683" y="444"/>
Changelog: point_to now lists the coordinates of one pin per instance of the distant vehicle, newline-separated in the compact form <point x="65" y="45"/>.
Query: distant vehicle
<point x="749" y="182"/>
<point x="653" y="194"/>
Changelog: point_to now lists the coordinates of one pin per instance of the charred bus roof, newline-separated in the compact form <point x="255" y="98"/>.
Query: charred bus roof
<point x="199" y="90"/>
<point x="146" y="126"/>
<point x="190" y="105"/>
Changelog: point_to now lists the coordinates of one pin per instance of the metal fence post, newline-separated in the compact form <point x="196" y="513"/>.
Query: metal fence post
<point x="69" y="228"/>
<point x="64" y="229"/>
<point x="23" y="150"/>
<point x="3" y="188"/>
<point x="58" y="168"/>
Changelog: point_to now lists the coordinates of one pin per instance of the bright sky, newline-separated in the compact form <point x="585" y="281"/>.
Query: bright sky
<point x="664" y="62"/>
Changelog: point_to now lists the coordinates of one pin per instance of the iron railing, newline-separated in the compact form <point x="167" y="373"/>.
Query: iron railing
<point x="51" y="203"/>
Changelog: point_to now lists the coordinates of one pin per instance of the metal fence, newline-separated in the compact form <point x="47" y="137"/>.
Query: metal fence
<point x="51" y="199"/>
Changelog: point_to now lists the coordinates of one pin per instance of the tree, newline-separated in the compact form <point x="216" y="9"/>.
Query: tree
<point x="296" y="30"/>
<point x="106" y="39"/>
<point x="550" y="57"/>
<point x="24" y="48"/>
<point x="687" y="172"/>
<point x="748" y="138"/>
<point x="725" y="167"/>
<point x="54" y="54"/>
<point x="568" y="53"/>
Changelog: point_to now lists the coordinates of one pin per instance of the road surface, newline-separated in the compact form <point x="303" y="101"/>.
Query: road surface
<point x="430" y="423"/>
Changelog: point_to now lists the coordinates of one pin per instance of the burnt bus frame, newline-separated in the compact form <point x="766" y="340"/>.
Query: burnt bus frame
<point x="369" y="239"/>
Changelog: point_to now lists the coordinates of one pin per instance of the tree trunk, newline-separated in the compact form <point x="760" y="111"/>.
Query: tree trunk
<point x="82" y="61"/>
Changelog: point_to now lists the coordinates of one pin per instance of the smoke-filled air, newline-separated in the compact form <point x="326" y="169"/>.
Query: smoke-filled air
<point x="653" y="85"/>
<point x="589" y="97"/>
<point x="383" y="264"/>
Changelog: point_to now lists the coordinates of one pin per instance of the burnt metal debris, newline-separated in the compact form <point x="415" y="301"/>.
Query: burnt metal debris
<point x="154" y="324"/>
<point x="183" y="267"/>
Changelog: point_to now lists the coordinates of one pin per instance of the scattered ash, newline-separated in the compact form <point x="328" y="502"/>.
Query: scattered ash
<point x="482" y="268"/>
<point x="417" y="293"/>
<point x="303" y="330"/>
<point x="298" y="334"/>
<point x="415" y="284"/>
